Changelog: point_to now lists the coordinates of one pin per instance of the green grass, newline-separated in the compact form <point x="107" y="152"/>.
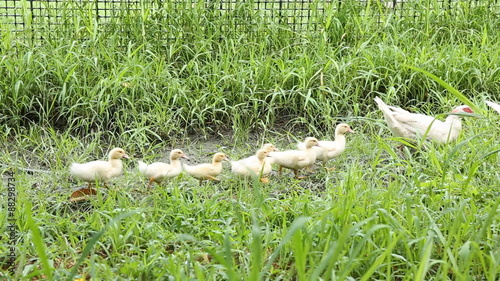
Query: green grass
<point x="384" y="214"/>
<point x="380" y="215"/>
<point x="149" y="88"/>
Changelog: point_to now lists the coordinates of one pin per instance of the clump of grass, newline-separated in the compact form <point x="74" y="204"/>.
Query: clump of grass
<point x="209" y="73"/>
<point x="379" y="215"/>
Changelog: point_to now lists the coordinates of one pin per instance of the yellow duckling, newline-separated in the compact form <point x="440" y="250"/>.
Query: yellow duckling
<point x="207" y="171"/>
<point x="253" y="166"/>
<point x="100" y="170"/>
<point x="158" y="171"/>
<point x="296" y="159"/>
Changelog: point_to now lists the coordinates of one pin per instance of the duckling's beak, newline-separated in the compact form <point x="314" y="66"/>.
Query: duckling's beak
<point x="184" y="156"/>
<point x="126" y="156"/>
<point x="351" y="131"/>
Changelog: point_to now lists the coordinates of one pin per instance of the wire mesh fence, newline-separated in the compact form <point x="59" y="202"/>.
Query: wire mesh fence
<point x="35" y="19"/>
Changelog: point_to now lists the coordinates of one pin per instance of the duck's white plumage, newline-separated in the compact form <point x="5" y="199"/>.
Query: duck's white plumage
<point x="296" y="159"/>
<point x="207" y="171"/>
<point x="414" y="125"/>
<point x="158" y="171"/>
<point x="493" y="105"/>
<point x="100" y="170"/>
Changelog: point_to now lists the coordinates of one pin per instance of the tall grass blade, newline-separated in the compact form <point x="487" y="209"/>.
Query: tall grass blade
<point x="450" y="88"/>
<point x="382" y="257"/>
<point x="297" y="224"/>
<point x="39" y="243"/>
<point x="256" y="250"/>
<point x="424" y="261"/>
<point x="91" y="243"/>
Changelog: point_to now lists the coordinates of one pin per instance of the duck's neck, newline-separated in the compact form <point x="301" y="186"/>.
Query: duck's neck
<point x="217" y="166"/>
<point x="116" y="163"/>
<point x="454" y="121"/>
<point x="340" y="138"/>
<point x="455" y="126"/>
<point x="310" y="151"/>
<point x="452" y="117"/>
<point x="176" y="163"/>
<point x="262" y="160"/>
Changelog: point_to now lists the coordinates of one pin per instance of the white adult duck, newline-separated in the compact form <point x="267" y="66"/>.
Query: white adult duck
<point x="493" y="105"/>
<point x="296" y="159"/>
<point x="328" y="150"/>
<point x="158" y="171"/>
<point x="100" y="170"/>
<point x="253" y="166"/>
<point x="207" y="171"/>
<point x="413" y="125"/>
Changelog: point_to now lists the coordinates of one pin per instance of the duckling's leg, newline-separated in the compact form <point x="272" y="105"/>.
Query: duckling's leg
<point x="310" y="168"/>
<point x="331" y="169"/>
<point x="213" y="178"/>
<point x="280" y="169"/>
<point x="151" y="180"/>
<point x="296" y="172"/>
<point x="264" y="180"/>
